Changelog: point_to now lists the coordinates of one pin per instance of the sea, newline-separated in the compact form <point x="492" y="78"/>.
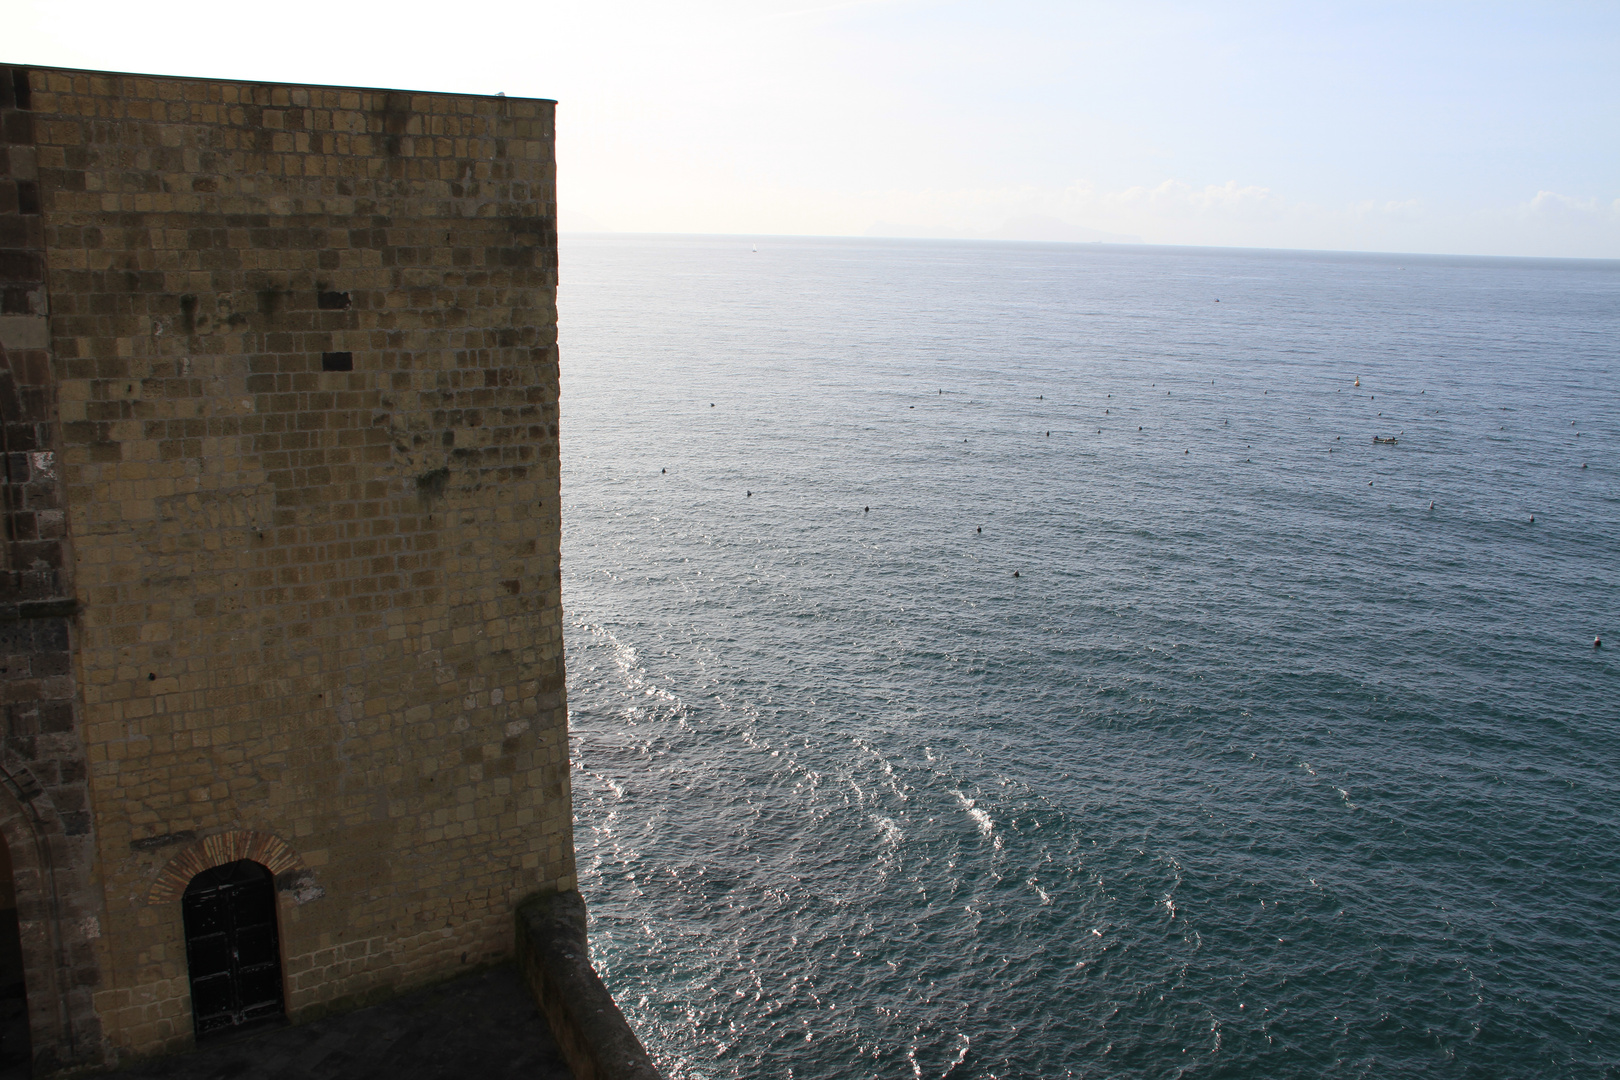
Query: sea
<point x="1023" y="661"/>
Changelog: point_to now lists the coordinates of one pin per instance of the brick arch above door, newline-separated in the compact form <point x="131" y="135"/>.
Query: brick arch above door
<point x="267" y="849"/>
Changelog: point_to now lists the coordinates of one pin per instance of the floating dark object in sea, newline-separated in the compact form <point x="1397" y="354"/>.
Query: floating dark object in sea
<point x="748" y="494"/>
<point x="868" y="510"/>
<point x="980" y="529"/>
<point x="1597" y="643"/>
<point x="1388" y="439"/>
<point x="661" y="471"/>
<point x="1015" y="573"/>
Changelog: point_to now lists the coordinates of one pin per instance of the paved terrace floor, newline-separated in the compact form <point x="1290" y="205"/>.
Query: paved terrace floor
<point x="482" y="1026"/>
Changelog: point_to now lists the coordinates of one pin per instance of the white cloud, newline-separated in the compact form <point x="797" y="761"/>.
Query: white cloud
<point x="1176" y="198"/>
<point x="1551" y="206"/>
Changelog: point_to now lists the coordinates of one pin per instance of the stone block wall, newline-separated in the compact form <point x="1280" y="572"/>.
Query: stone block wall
<point x="303" y="380"/>
<point x="45" y="819"/>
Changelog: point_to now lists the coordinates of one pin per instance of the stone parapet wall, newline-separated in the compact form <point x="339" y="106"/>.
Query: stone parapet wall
<point x="303" y="368"/>
<point x="554" y="960"/>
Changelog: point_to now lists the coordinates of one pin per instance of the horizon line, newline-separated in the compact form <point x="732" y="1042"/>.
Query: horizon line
<point x="1615" y="260"/>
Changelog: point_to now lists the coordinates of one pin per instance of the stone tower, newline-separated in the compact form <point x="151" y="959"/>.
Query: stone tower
<point x="279" y="595"/>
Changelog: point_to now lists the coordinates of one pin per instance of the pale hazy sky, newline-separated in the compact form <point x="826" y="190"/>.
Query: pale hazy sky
<point x="1464" y="127"/>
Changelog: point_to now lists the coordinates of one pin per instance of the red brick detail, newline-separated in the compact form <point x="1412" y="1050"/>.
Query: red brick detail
<point x="266" y="849"/>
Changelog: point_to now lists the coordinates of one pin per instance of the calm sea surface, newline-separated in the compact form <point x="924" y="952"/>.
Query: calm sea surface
<point x="1019" y="661"/>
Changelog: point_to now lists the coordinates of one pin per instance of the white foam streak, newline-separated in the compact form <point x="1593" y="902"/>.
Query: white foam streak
<point x="986" y="825"/>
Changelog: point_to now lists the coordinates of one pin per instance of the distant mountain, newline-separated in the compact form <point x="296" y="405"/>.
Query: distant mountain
<point x="1035" y="227"/>
<point x="1056" y="230"/>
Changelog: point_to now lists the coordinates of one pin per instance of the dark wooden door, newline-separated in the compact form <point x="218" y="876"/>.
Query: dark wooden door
<point x="231" y="946"/>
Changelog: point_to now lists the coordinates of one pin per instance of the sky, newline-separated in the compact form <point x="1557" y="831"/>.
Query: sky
<point x="1461" y="128"/>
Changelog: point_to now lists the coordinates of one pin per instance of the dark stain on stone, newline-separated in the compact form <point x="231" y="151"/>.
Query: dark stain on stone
<point x="168" y="839"/>
<point x="430" y="485"/>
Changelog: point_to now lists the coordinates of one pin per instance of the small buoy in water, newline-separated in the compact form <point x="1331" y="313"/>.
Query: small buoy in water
<point x="748" y="494"/>
<point x="1358" y="380"/>
<point x="1138" y="427"/>
<point x="1048" y="434"/>
<point x="1583" y="464"/>
<point x="663" y="470"/>
<point x="1431" y="504"/>
<point x="1015" y="573"/>
<point x="868" y="510"/>
<point x="980" y="529"/>
<point x="711" y="404"/>
<point x="1532" y="519"/>
<point x="1186" y="451"/>
<point x="1217" y="299"/>
<point x="1597" y="643"/>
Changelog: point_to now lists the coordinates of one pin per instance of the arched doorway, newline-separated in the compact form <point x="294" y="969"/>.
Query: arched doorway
<point x="14" y="1046"/>
<point x="233" y="951"/>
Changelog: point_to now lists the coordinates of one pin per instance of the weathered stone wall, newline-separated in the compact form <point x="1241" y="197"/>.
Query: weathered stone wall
<point x="45" y="818"/>
<point x="303" y="358"/>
